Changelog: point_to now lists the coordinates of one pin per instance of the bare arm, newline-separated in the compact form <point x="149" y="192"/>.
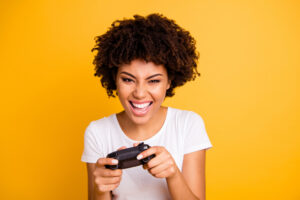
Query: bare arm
<point x="93" y="193"/>
<point x="188" y="184"/>
<point x="193" y="170"/>
<point x="90" y="168"/>
<point x="102" y="181"/>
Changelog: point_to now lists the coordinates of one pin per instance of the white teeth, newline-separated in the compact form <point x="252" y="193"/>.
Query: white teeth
<point x="144" y="105"/>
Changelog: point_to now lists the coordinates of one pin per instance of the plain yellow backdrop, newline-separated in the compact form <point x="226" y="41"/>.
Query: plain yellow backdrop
<point x="247" y="94"/>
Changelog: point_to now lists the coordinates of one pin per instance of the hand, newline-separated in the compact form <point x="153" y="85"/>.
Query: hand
<point x="107" y="179"/>
<point x="162" y="165"/>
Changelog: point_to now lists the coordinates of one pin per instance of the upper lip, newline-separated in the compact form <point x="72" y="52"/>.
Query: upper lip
<point x="140" y="102"/>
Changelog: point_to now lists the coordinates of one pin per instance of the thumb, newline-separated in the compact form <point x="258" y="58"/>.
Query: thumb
<point x="123" y="147"/>
<point x="135" y="144"/>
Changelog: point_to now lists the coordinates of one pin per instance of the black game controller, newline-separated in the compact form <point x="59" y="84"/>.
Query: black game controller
<point x="127" y="157"/>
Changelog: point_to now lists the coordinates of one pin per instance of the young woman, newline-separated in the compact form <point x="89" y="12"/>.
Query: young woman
<point x="142" y="60"/>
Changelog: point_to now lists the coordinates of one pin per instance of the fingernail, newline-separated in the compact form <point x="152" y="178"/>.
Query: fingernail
<point x="139" y="157"/>
<point x="115" y="161"/>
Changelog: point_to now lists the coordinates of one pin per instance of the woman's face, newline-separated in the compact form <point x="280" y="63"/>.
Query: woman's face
<point x="141" y="89"/>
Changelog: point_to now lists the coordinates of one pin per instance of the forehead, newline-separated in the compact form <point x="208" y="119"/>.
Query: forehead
<point x="141" y="68"/>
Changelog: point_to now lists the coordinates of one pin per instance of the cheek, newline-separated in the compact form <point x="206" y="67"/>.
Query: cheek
<point x="122" y="96"/>
<point x="123" y="90"/>
<point x="159" y="92"/>
<point x="120" y="86"/>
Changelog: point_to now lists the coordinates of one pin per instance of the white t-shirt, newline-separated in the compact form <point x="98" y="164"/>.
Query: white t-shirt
<point x="182" y="132"/>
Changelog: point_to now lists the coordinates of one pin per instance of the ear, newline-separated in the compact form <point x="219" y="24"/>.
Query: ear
<point x="169" y="84"/>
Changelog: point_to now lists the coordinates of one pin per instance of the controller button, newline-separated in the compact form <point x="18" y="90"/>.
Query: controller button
<point x="113" y="155"/>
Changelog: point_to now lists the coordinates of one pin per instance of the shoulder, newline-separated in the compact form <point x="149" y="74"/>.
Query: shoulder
<point x="185" y="116"/>
<point x="192" y="130"/>
<point x="102" y="122"/>
<point x="187" y="122"/>
<point x="99" y="126"/>
<point x="96" y="139"/>
<point x="183" y="113"/>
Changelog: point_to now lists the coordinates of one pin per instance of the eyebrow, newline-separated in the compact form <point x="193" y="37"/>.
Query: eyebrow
<point x="154" y="75"/>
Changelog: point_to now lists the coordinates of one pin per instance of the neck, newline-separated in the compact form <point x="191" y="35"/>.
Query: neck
<point x="140" y="132"/>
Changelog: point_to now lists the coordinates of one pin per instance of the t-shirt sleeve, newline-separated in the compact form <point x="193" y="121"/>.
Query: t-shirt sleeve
<point x="196" y="137"/>
<point x="92" y="145"/>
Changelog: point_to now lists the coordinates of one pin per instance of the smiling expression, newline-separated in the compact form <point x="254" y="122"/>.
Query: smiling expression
<point x="141" y="89"/>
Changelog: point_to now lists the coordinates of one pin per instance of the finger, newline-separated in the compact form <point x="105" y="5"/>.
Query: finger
<point x="107" y="188"/>
<point x="106" y="161"/>
<point x="166" y="173"/>
<point x="135" y="144"/>
<point x="158" y="159"/>
<point x="160" y="168"/>
<point x="154" y="162"/>
<point x="109" y="173"/>
<point x="103" y="172"/>
<point x="145" y="166"/>
<point x="149" y="152"/>
<point x="163" y="174"/>
<point x="107" y="180"/>
<point x="123" y="147"/>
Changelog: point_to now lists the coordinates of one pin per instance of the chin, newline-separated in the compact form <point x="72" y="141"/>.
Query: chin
<point x="140" y="120"/>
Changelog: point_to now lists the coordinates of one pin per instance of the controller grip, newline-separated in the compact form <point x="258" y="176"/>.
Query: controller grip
<point x="127" y="157"/>
<point x="147" y="159"/>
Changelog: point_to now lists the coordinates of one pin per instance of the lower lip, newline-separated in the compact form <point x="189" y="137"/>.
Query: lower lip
<point x="140" y="112"/>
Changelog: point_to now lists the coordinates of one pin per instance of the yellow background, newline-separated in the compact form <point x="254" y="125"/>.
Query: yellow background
<point x="248" y="93"/>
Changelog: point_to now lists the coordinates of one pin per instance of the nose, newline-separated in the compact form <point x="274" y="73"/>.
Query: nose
<point x="140" y="91"/>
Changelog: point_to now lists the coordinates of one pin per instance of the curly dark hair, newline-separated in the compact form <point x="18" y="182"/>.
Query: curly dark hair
<point x="154" y="38"/>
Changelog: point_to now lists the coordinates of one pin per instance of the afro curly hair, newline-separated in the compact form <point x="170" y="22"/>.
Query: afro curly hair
<point x="153" y="38"/>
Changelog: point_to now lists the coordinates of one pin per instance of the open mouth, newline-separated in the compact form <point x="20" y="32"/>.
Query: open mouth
<point x="140" y="106"/>
<point x="140" y="109"/>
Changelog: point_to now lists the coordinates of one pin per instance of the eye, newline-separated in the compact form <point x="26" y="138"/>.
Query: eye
<point x="154" y="81"/>
<point x="127" y="80"/>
